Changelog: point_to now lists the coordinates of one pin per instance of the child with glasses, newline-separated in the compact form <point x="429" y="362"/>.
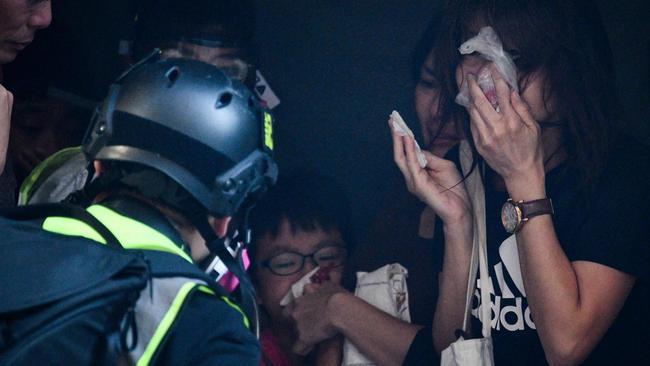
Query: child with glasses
<point x="303" y="223"/>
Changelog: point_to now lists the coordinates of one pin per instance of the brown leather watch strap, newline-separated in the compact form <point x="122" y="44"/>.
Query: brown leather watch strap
<point x="542" y="206"/>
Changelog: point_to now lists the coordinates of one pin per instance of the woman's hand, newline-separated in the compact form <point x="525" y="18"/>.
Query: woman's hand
<point x="509" y="139"/>
<point x="6" y="104"/>
<point x="312" y="319"/>
<point x="438" y="184"/>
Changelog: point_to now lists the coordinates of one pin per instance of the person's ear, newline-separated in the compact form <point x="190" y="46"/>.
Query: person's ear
<point x="220" y="225"/>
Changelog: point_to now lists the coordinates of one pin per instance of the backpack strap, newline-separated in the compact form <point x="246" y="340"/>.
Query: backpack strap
<point x="45" y="210"/>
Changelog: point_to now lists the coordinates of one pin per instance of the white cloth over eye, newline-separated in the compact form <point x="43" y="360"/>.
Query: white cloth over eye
<point x="385" y="289"/>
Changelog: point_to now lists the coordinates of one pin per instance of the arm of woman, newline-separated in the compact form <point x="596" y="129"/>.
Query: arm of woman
<point x="326" y="310"/>
<point x="573" y="303"/>
<point x="329" y="352"/>
<point x="439" y="185"/>
<point x="382" y="338"/>
<point x="450" y="308"/>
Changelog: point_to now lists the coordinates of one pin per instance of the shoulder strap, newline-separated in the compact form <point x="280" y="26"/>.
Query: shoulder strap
<point x="476" y="190"/>
<point x="44" y="210"/>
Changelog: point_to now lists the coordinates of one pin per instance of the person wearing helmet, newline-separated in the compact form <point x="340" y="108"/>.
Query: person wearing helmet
<point x="180" y="153"/>
<point x="219" y="32"/>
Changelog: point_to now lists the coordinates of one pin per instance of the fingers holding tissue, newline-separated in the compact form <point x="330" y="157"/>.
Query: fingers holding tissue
<point x="435" y="181"/>
<point x="401" y="129"/>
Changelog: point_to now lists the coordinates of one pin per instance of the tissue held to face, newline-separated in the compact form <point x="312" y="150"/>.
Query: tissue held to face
<point x="531" y="87"/>
<point x="279" y="267"/>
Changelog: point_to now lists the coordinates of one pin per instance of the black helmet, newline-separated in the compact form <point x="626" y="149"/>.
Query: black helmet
<point x="189" y="121"/>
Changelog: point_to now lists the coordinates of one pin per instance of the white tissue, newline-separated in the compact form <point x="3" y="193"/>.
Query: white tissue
<point x="298" y="288"/>
<point x="400" y="127"/>
<point x="488" y="44"/>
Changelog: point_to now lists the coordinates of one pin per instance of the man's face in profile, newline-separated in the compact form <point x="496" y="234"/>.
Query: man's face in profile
<point x="19" y="21"/>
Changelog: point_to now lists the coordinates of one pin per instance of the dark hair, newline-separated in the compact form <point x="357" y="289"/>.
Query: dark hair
<point x="424" y="46"/>
<point x="566" y="40"/>
<point x="163" y="23"/>
<point x="447" y="109"/>
<point x="308" y="201"/>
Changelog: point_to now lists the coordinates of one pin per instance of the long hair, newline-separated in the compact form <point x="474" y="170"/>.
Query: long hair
<point x="447" y="109"/>
<point x="565" y="40"/>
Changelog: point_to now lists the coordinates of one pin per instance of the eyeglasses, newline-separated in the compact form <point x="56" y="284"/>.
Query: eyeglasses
<point x="288" y="263"/>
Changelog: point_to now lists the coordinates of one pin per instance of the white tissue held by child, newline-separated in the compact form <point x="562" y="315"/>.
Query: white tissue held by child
<point x="384" y="288"/>
<point x="489" y="46"/>
<point x="399" y="126"/>
<point x="298" y="288"/>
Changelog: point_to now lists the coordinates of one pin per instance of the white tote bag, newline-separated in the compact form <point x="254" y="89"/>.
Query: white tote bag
<point x="465" y="352"/>
<point x="384" y="288"/>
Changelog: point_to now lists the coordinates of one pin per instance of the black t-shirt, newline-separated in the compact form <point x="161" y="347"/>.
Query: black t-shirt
<point x="607" y="225"/>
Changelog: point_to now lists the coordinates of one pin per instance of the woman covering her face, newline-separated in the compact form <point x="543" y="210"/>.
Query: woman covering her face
<point x="566" y="194"/>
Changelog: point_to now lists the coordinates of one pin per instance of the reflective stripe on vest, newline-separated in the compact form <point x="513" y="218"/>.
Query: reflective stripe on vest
<point x="148" y="311"/>
<point x="162" y="299"/>
<point x="155" y="313"/>
<point x="132" y="234"/>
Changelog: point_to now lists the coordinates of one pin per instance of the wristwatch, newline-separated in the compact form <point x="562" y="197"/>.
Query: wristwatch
<point x="515" y="213"/>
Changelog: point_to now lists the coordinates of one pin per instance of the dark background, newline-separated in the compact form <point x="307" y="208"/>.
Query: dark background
<point x="339" y="68"/>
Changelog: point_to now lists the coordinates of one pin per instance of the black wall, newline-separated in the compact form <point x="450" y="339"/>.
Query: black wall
<point x="340" y="68"/>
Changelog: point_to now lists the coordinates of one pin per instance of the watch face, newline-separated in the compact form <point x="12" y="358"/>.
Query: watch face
<point x="510" y="216"/>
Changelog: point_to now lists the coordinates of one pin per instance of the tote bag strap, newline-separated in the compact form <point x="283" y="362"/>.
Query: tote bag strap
<point x="476" y="191"/>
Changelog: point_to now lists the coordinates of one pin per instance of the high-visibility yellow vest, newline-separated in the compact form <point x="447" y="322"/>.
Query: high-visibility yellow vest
<point x="161" y="301"/>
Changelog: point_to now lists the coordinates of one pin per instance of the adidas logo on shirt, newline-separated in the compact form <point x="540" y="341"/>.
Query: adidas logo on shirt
<point x="508" y="303"/>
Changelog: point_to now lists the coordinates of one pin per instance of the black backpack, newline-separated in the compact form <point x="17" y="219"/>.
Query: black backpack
<point x="64" y="300"/>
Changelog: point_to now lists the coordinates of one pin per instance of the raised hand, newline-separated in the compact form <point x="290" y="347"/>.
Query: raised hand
<point x="311" y="315"/>
<point x="509" y="139"/>
<point x="439" y="184"/>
